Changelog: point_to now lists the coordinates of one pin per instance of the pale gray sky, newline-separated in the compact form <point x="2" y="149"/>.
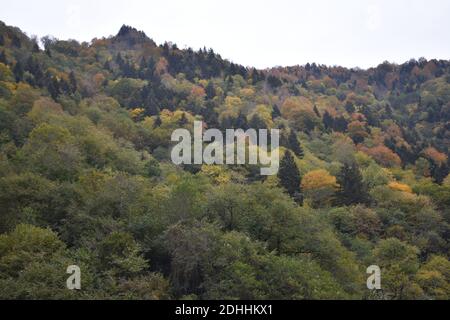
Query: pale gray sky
<point x="260" y="33"/>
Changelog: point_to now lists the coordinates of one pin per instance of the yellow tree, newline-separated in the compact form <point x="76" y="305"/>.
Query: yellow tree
<point x="319" y="187"/>
<point x="299" y="110"/>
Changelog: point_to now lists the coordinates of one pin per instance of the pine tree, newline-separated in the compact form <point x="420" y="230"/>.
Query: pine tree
<point x="210" y="91"/>
<point x="16" y="42"/>
<point x="439" y="172"/>
<point x="128" y="69"/>
<point x="35" y="48"/>
<point x="275" y="112"/>
<point x="340" y="124"/>
<point x="274" y="82"/>
<point x="73" y="82"/>
<point x="294" y="144"/>
<point x="107" y="65"/>
<point x="229" y="84"/>
<point x="18" y="71"/>
<point x="2" y="40"/>
<point x="53" y="88"/>
<point x="349" y="107"/>
<point x="328" y="121"/>
<point x="352" y="189"/>
<point x="157" y="122"/>
<point x="241" y="122"/>
<point x="183" y="120"/>
<point x="256" y="122"/>
<point x="64" y="86"/>
<point x="289" y="176"/>
<point x="3" y="57"/>
<point x="119" y="60"/>
<point x="142" y="67"/>
<point x="150" y="74"/>
<point x="256" y="76"/>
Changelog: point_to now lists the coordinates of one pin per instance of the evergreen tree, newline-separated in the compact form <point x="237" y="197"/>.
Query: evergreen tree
<point x="157" y="122"/>
<point x="229" y="84"/>
<point x="241" y="122"/>
<point x="128" y="69"/>
<point x="349" y="107"/>
<point x="72" y="82"/>
<point x="2" y="40"/>
<point x="35" y="47"/>
<point x="328" y="121"/>
<point x="294" y="144"/>
<point x="256" y="122"/>
<point x="439" y="172"/>
<point x="64" y="87"/>
<point x="255" y="76"/>
<point x="340" y="124"/>
<point x="31" y="65"/>
<point x="150" y="72"/>
<point x="3" y="57"/>
<point x="275" y="112"/>
<point x="119" y="60"/>
<point x="289" y="176"/>
<point x="53" y="88"/>
<point x="274" y="82"/>
<point x="352" y="189"/>
<point x="209" y="115"/>
<point x="16" y="42"/>
<point x="142" y="67"/>
<point x="389" y="111"/>
<point x="35" y="69"/>
<point x="210" y="91"/>
<point x="107" y="65"/>
<point x="183" y="120"/>
<point x="18" y="71"/>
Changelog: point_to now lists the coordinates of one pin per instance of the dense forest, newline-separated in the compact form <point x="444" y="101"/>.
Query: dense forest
<point x="86" y="176"/>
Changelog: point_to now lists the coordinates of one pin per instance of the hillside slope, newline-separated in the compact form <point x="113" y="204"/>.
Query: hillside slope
<point x="86" y="176"/>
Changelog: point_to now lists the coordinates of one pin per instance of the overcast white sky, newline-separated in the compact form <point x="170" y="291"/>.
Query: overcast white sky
<point x="260" y="33"/>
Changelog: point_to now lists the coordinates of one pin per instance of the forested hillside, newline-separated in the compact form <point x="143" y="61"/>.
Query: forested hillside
<point x="86" y="176"/>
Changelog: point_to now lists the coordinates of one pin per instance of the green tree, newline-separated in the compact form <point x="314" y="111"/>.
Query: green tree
<point x="289" y="176"/>
<point x="352" y="189"/>
<point x="51" y="150"/>
<point x="33" y="264"/>
<point x="294" y="144"/>
<point x="18" y="71"/>
<point x="434" y="278"/>
<point x="73" y="82"/>
<point x="399" y="264"/>
<point x="120" y="255"/>
<point x="3" y="58"/>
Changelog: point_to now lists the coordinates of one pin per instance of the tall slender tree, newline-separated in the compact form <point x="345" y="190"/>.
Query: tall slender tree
<point x="3" y="57"/>
<point x="72" y="82"/>
<point x="352" y="189"/>
<point x="18" y="71"/>
<point x="294" y="144"/>
<point x="289" y="177"/>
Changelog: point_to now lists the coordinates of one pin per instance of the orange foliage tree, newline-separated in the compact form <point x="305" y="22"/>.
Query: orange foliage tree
<point x="394" y="185"/>
<point x="384" y="156"/>
<point x="434" y="155"/>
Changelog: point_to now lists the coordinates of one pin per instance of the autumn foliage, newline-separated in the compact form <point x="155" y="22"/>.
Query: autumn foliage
<point x="383" y="155"/>
<point x="400" y="187"/>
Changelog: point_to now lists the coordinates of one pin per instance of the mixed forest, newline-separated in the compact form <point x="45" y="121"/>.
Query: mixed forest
<point x="86" y="177"/>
